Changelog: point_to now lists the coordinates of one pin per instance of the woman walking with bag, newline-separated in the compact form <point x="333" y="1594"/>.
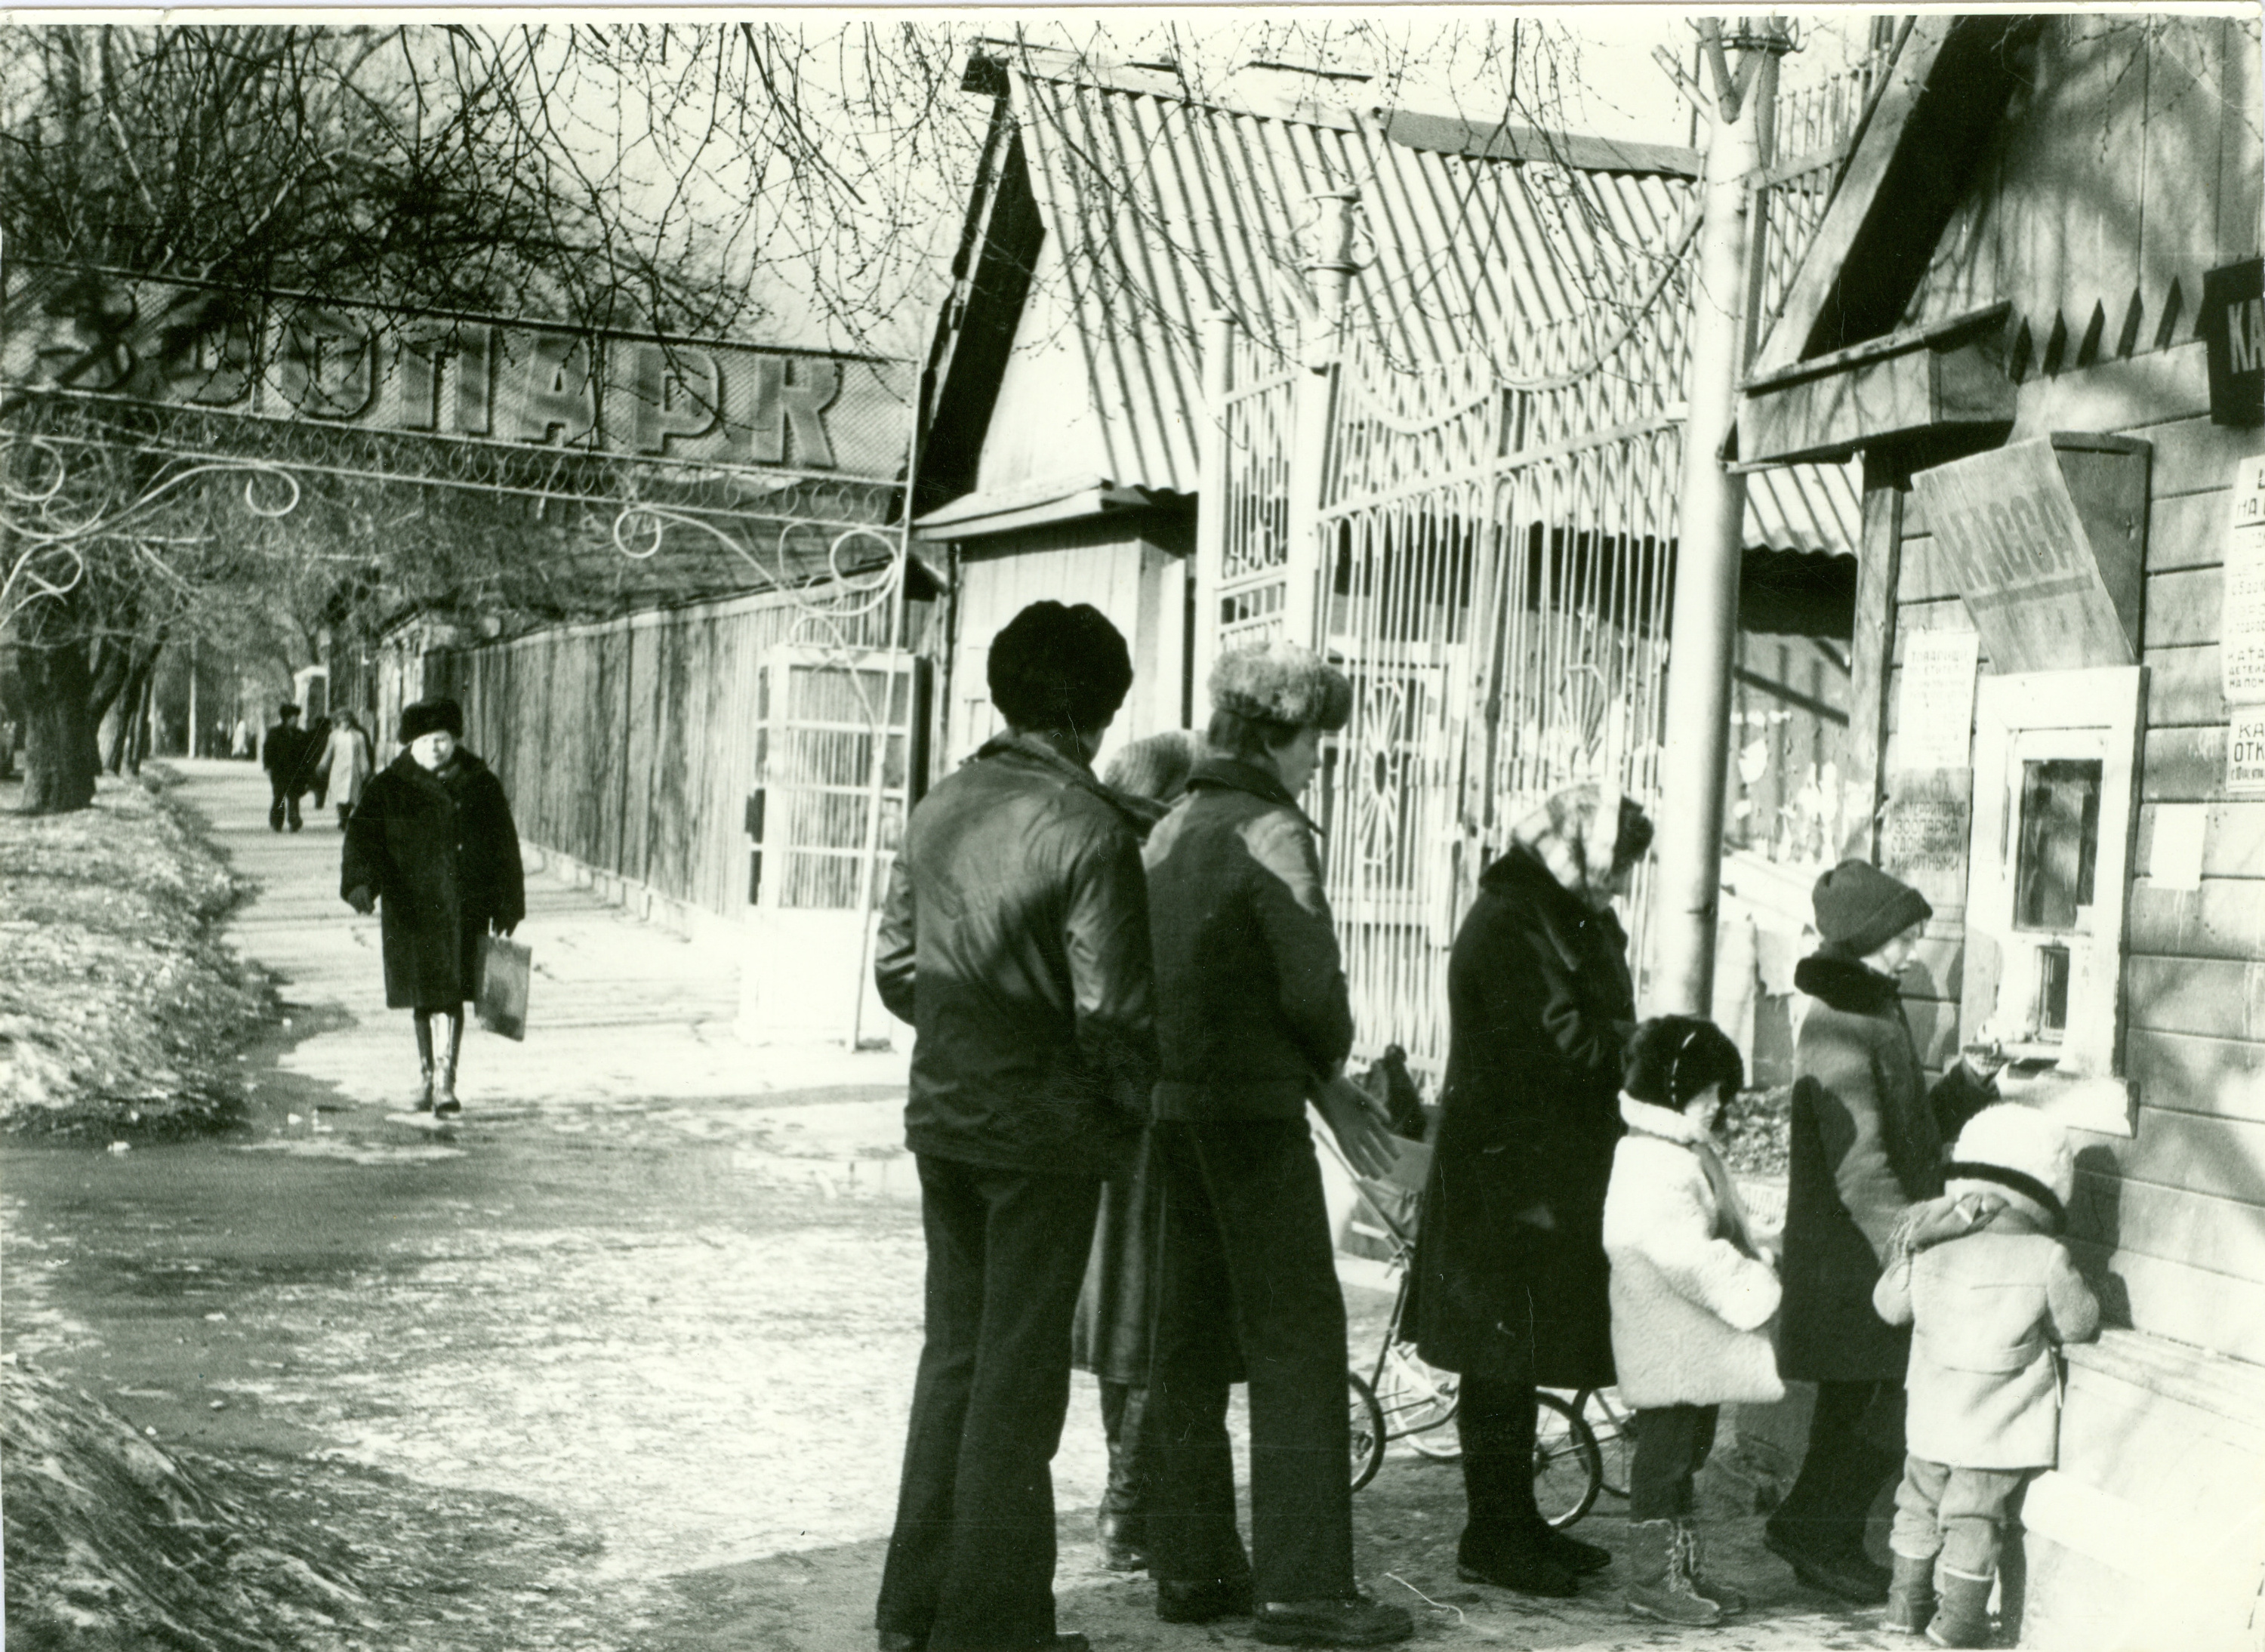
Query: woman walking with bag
<point x="433" y="840"/>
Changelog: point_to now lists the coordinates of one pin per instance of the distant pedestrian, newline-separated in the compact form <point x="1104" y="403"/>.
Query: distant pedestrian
<point x="1510" y="1284"/>
<point x="239" y="740"/>
<point x="1109" y="1337"/>
<point x="1254" y="1021"/>
<point x="282" y="754"/>
<point x="433" y="840"/>
<point x="1016" y="941"/>
<point x="1866" y="1137"/>
<point x="1989" y="1308"/>
<point x="346" y="764"/>
<point x="1692" y="1295"/>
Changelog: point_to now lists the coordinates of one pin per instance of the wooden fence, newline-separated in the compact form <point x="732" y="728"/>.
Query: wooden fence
<point x="630" y="744"/>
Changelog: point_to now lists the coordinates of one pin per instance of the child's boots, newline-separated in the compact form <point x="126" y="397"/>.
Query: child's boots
<point x="1730" y="1601"/>
<point x="1660" y="1584"/>
<point x="1911" y="1595"/>
<point x="1964" y="1618"/>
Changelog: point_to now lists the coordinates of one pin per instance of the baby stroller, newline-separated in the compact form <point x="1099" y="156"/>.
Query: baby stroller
<point x="1401" y="1398"/>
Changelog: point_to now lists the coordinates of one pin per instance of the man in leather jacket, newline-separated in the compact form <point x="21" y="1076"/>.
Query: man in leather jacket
<point x="1016" y="941"/>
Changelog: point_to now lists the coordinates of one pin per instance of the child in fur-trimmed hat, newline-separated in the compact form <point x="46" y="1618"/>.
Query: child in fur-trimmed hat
<point x="1692" y="1294"/>
<point x="1987" y="1308"/>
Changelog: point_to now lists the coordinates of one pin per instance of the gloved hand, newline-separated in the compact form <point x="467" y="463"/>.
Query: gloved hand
<point x="362" y="900"/>
<point x="497" y="926"/>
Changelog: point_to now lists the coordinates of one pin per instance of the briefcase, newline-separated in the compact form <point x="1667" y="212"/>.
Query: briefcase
<point x="500" y="1001"/>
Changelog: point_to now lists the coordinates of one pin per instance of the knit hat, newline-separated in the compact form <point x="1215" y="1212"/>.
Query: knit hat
<point x="431" y="717"/>
<point x="1674" y="1057"/>
<point x="1860" y="909"/>
<point x="1155" y="767"/>
<point x="1059" y="669"/>
<point x="1281" y="683"/>
<point x="2018" y="1153"/>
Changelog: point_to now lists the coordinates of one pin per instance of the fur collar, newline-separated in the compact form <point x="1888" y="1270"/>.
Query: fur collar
<point x="1845" y="985"/>
<point x="1650" y="1118"/>
<point x="1232" y="773"/>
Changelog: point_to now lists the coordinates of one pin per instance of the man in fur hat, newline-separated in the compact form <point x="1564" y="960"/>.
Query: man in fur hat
<point x="282" y="754"/>
<point x="1252" y="1019"/>
<point x="1016" y="941"/>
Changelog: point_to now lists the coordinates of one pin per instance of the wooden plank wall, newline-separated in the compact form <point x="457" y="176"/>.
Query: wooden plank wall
<point x="2177" y="1214"/>
<point x="2173" y="1220"/>
<point x="630" y="744"/>
<point x="1094" y="561"/>
<point x="2126" y="168"/>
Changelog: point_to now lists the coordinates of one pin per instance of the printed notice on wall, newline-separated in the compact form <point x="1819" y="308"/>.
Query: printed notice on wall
<point x="1935" y="714"/>
<point x="2242" y="629"/>
<point x="2174" y="859"/>
<point x="2244" y="751"/>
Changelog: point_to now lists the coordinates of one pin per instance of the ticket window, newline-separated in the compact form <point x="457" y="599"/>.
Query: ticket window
<point x="2055" y="762"/>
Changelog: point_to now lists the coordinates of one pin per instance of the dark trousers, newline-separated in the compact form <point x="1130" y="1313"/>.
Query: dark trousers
<point x="1243" y="1274"/>
<point x="286" y="803"/>
<point x="1494" y="1424"/>
<point x="1671" y="1443"/>
<point x="970" y="1561"/>
<point x="1855" y="1447"/>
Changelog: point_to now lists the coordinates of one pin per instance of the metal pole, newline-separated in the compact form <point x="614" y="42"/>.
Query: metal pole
<point x="1211" y="501"/>
<point x="1709" y="548"/>
<point x="1329" y="266"/>
<point x="900" y="620"/>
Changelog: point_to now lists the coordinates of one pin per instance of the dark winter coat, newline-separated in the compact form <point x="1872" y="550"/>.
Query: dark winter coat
<point x="1016" y="941"/>
<point x="1511" y="1280"/>
<point x="441" y="855"/>
<point x="283" y="754"/>
<point x="1867" y="1143"/>
<point x="1252" y="1008"/>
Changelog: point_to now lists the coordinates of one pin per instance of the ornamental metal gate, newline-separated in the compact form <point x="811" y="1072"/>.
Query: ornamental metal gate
<point x="1490" y="564"/>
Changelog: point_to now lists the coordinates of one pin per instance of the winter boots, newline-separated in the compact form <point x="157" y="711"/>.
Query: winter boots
<point x="1731" y="1601"/>
<point x="1911" y="1595"/>
<point x="1661" y="1583"/>
<point x="437" y="1095"/>
<point x="1964" y="1618"/>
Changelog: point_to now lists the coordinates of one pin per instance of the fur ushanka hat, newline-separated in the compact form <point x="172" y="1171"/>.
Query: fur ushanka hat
<point x="2019" y="1155"/>
<point x="431" y="717"/>
<point x="1282" y="683"/>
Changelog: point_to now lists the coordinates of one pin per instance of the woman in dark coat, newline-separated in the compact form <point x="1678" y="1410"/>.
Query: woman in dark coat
<point x="1511" y="1276"/>
<point x="433" y="840"/>
<point x="1109" y="1337"/>
<point x="1866" y="1145"/>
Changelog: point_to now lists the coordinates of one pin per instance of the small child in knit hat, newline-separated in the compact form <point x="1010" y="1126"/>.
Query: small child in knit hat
<point x="1987" y="1308"/>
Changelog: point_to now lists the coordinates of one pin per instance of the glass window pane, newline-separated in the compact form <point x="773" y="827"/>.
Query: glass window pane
<point x="2060" y="842"/>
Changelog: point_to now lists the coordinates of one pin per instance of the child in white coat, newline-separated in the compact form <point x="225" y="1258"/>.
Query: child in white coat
<point x="1690" y="1296"/>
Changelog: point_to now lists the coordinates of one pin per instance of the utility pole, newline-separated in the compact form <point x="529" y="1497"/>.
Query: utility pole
<point x="1330" y="265"/>
<point x="1711" y="539"/>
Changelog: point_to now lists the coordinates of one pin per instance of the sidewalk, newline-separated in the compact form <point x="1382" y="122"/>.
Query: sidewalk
<point x="640" y="1305"/>
<point x="619" y="1011"/>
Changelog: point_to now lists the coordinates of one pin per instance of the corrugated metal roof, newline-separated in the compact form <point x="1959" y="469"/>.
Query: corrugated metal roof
<point x="1161" y="208"/>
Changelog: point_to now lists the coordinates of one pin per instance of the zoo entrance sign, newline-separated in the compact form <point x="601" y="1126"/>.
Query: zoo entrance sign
<point x="708" y="404"/>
